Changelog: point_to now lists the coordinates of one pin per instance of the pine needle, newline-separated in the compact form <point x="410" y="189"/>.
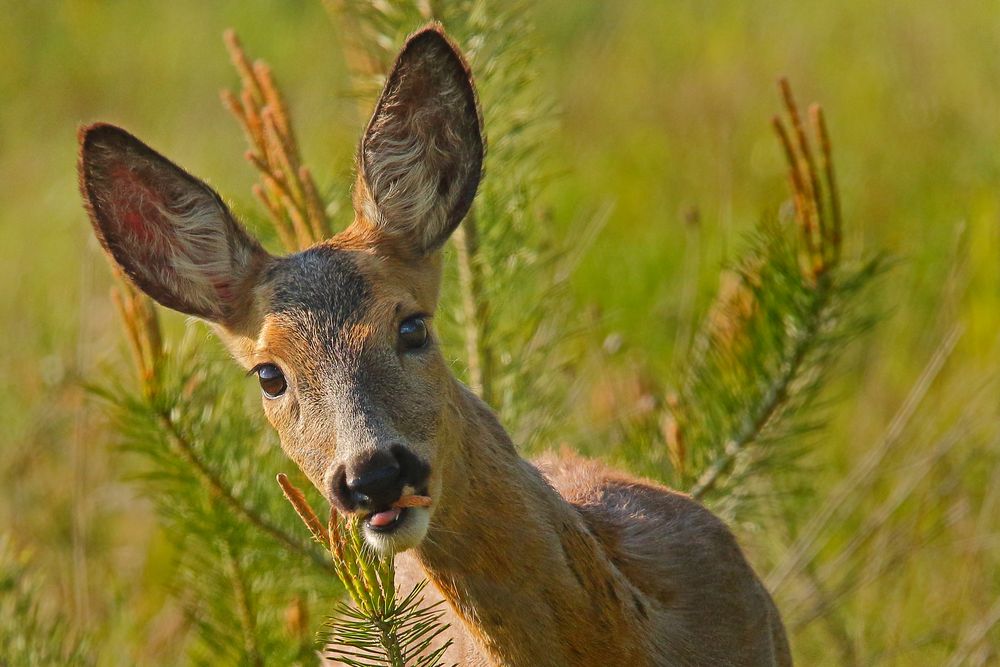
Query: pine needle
<point x="379" y="628"/>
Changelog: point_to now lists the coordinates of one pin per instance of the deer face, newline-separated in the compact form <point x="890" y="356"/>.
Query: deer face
<point x="340" y="335"/>
<point x="352" y="379"/>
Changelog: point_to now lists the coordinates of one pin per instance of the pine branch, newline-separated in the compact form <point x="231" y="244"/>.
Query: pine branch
<point x="379" y="629"/>
<point x="772" y="400"/>
<point x="169" y="423"/>
<point x="286" y="191"/>
<point x="772" y="334"/>
<point x="186" y="452"/>
<point x="142" y="329"/>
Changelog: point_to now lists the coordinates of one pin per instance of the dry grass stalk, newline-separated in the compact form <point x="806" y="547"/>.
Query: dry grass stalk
<point x="141" y="324"/>
<point x="287" y="190"/>
<point x="809" y="541"/>
<point x="475" y="308"/>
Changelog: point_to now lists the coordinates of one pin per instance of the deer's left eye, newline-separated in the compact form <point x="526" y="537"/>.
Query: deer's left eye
<point x="413" y="333"/>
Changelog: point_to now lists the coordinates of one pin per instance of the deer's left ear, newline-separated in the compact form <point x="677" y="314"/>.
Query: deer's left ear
<point x="421" y="157"/>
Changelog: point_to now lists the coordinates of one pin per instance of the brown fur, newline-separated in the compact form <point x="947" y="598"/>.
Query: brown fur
<point x="566" y="563"/>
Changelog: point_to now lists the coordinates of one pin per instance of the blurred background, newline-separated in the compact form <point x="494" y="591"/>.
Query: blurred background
<point x="661" y="128"/>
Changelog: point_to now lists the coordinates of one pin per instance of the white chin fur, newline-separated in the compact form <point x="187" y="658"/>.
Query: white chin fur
<point x="408" y="535"/>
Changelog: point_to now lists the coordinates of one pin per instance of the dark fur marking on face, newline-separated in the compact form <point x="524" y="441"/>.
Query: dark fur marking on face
<point x="412" y="470"/>
<point x="323" y="289"/>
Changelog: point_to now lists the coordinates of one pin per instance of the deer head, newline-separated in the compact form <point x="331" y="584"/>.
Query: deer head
<point x="340" y="335"/>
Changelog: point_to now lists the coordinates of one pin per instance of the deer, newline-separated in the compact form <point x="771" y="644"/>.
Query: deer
<point x="556" y="562"/>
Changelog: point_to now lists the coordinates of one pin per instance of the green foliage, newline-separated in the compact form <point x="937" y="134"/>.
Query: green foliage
<point x="379" y="628"/>
<point x="743" y="410"/>
<point x="782" y="318"/>
<point x="889" y="559"/>
<point x="201" y="447"/>
<point x="749" y="394"/>
<point x="398" y="636"/>
<point x="28" y="635"/>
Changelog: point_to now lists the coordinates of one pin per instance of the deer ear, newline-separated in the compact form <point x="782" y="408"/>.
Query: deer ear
<point x="167" y="230"/>
<point x="421" y="157"/>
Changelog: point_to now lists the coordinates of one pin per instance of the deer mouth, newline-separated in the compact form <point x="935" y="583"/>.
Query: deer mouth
<point x="394" y="529"/>
<point x="387" y="520"/>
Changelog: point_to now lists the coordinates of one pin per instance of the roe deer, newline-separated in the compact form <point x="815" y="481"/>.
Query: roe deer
<point x="561" y="562"/>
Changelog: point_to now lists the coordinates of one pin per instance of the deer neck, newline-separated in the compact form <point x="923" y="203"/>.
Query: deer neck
<point x="516" y="561"/>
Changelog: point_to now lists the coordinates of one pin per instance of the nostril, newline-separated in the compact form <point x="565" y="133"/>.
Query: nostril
<point x="340" y="493"/>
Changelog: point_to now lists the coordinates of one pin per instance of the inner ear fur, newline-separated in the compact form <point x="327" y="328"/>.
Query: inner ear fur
<point x="421" y="156"/>
<point x="170" y="233"/>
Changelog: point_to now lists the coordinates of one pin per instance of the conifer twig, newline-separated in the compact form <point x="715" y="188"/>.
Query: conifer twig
<point x="184" y="450"/>
<point x="817" y="200"/>
<point x="287" y="190"/>
<point x="771" y="401"/>
<point x="836" y="233"/>
<point x="812" y="193"/>
<point x="304" y="510"/>
<point x="380" y="628"/>
<point x="738" y="302"/>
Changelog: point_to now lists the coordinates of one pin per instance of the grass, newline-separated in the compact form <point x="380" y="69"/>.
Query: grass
<point x="664" y="114"/>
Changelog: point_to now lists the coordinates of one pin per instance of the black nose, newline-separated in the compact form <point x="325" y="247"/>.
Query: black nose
<point x="375" y="481"/>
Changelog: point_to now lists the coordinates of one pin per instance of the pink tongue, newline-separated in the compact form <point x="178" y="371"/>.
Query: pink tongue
<point x="382" y="519"/>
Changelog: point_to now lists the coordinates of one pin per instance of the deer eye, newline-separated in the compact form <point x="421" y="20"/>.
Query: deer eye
<point x="272" y="380"/>
<point x="413" y="333"/>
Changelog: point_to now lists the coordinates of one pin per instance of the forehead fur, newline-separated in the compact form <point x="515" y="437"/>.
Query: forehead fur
<point x="322" y="288"/>
<point x="340" y="292"/>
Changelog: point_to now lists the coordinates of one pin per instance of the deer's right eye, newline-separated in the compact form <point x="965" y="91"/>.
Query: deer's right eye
<point x="272" y="380"/>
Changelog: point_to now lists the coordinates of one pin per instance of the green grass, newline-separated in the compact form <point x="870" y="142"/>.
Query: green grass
<point x="664" y="108"/>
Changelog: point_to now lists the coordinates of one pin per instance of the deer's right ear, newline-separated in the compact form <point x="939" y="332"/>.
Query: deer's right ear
<point x="422" y="155"/>
<point x="167" y="230"/>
